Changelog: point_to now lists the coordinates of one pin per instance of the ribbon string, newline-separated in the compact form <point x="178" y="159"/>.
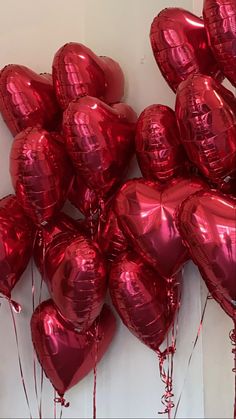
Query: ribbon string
<point x="232" y="336"/>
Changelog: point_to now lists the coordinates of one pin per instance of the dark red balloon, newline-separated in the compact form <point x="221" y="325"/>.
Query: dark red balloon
<point x="110" y="237"/>
<point x="206" y="113"/>
<point x="180" y="46"/>
<point x="207" y="223"/>
<point x="16" y="241"/>
<point x="220" y="22"/>
<point x="76" y="275"/>
<point x="82" y="197"/>
<point x="100" y="142"/>
<point x="146" y="213"/>
<point x="159" y="152"/>
<point x="60" y="224"/>
<point x="78" y="72"/>
<point x="27" y="99"/>
<point x="141" y="298"/>
<point x="67" y="356"/>
<point x="41" y="173"/>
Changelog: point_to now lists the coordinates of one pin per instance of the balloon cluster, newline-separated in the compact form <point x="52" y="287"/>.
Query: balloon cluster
<point x="74" y="139"/>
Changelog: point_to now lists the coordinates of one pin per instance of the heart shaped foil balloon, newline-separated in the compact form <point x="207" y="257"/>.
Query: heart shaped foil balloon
<point x="220" y="20"/>
<point x="180" y="46"/>
<point x="78" y="72"/>
<point x="16" y="241"/>
<point x="27" y="99"/>
<point x="206" y="113"/>
<point x="100" y="142"/>
<point x="44" y="236"/>
<point x="159" y="152"/>
<point x="83" y="198"/>
<point x="67" y="356"/>
<point x="140" y="297"/>
<point x="76" y="275"/>
<point x="207" y="223"/>
<point x="146" y="213"/>
<point x="41" y="173"/>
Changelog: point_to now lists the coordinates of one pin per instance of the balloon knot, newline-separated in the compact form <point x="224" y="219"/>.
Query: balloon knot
<point x="62" y="401"/>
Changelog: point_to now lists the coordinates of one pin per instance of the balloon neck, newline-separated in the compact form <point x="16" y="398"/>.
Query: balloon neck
<point x="62" y="401"/>
<point x="15" y="306"/>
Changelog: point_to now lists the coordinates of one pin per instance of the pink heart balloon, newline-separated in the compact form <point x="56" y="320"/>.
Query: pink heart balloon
<point x="76" y="275"/>
<point x="16" y="241"/>
<point x="41" y="173"/>
<point x="180" y="47"/>
<point x="206" y="113"/>
<point x="207" y="223"/>
<point x="220" y="20"/>
<point x="77" y="72"/>
<point x="141" y="298"/>
<point x="27" y="99"/>
<point x="160" y="154"/>
<point x="100" y="142"/>
<point x="66" y="355"/>
<point x="146" y="212"/>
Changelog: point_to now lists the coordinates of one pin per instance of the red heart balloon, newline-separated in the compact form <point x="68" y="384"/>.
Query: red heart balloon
<point x="207" y="223"/>
<point x="41" y="173"/>
<point x="141" y="299"/>
<point x="66" y="355"/>
<point x="220" y="20"/>
<point x="60" y="224"/>
<point x="76" y="275"/>
<point x="82" y="197"/>
<point x="146" y="212"/>
<point x="110" y="237"/>
<point x="159" y="151"/>
<point x="78" y="72"/>
<point x="27" y="99"/>
<point x="180" y="47"/>
<point x="99" y="141"/>
<point x="16" y="240"/>
<point x="206" y="113"/>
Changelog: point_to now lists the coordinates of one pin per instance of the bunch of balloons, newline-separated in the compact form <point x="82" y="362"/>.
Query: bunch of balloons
<point x="74" y="139"/>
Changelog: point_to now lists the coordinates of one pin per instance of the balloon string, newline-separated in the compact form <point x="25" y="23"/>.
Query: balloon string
<point x="232" y="336"/>
<point x="95" y="370"/>
<point x="191" y="354"/>
<point x="55" y="405"/>
<point x="19" y="360"/>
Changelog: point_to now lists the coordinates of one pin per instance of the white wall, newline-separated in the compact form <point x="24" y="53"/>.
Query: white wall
<point x="128" y="379"/>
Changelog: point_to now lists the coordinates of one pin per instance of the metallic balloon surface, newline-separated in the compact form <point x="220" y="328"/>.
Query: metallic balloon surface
<point x="67" y="356"/>
<point x="220" y="21"/>
<point x="27" y="99"/>
<point x="76" y="274"/>
<point x="100" y="142"/>
<point x="110" y="237"/>
<point x="207" y="223"/>
<point x="146" y="212"/>
<point x="16" y="241"/>
<point x="82" y="197"/>
<point x="140" y="297"/>
<point x="78" y="72"/>
<point x="180" y="46"/>
<point x="60" y="224"/>
<point x="206" y="113"/>
<point x="160" y="154"/>
<point x="41" y="173"/>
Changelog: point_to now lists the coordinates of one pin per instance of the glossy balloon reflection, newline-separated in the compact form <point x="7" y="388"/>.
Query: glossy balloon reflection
<point x="206" y="114"/>
<point x="207" y="223"/>
<point x="220" y="20"/>
<point x="159" y="151"/>
<point x="180" y="46"/>
<point x="41" y="173"/>
<point x="146" y="212"/>
<point x="140" y="297"/>
<point x="76" y="274"/>
<point x="16" y="241"/>
<point x="27" y="99"/>
<point x="66" y="355"/>
<point x="78" y="72"/>
<point x="100" y="142"/>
